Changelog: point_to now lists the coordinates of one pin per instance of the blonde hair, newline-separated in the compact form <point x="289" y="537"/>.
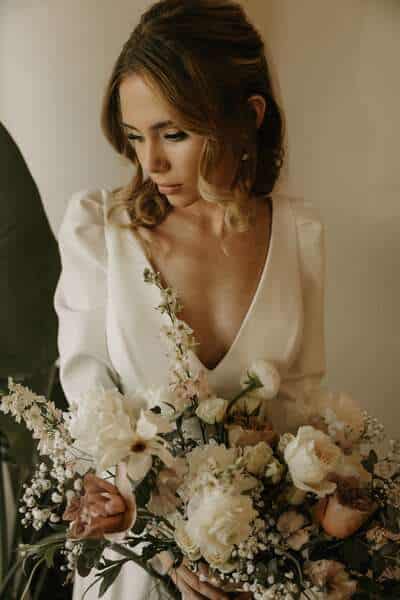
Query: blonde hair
<point x="206" y="59"/>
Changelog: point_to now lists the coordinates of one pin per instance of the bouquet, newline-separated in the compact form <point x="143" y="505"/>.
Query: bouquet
<point x="161" y="476"/>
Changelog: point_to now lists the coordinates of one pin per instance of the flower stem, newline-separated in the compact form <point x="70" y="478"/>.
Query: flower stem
<point x="242" y="393"/>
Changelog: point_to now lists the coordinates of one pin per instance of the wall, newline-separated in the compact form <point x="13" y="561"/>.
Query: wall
<point x="339" y="82"/>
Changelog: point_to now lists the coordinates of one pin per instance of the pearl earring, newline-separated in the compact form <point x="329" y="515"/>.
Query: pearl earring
<point x="245" y="156"/>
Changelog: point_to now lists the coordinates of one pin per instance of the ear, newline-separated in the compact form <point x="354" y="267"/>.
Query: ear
<point x="259" y="105"/>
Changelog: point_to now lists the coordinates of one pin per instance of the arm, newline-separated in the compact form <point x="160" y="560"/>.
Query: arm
<point x="81" y="296"/>
<point x="309" y="365"/>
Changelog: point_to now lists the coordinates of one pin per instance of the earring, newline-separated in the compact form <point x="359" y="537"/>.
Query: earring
<point x="245" y="156"/>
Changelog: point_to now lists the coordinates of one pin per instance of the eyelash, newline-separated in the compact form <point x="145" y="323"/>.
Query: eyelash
<point x="173" y="136"/>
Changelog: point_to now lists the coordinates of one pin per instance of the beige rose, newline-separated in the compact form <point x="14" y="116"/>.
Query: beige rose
<point x="338" y="415"/>
<point x="311" y="458"/>
<point x="249" y="431"/>
<point x="257" y="458"/>
<point x="289" y="522"/>
<point x="332" y="576"/>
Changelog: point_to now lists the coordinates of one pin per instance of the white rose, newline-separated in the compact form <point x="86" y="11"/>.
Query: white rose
<point x="217" y="521"/>
<point x="311" y="456"/>
<point x="268" y="375"/>
<point x="212" y="410"/>
<point x="257" y="457"/>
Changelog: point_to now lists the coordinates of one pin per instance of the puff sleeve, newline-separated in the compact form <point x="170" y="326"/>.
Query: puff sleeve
<point x="80" y="298"/>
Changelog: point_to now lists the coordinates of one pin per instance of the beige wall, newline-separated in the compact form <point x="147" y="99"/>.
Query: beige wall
<point x="338" y="72"/>
<point x="338" y="65"/>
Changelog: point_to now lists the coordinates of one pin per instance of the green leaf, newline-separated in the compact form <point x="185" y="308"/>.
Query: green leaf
<point x="83" y="566"/>
<point x="143" y="492"/>
<point x="139" y="526"/>
<point x="49" y="555"/>
<point x="109" y="578"/>
<point x="370" y="461"/>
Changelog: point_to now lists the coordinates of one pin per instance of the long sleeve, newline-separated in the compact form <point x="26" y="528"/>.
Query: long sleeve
<point x="309" y="366"/>
<point x="80" y="299"/>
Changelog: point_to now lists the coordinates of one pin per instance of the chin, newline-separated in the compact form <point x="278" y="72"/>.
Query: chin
<point x="181" y="201"/>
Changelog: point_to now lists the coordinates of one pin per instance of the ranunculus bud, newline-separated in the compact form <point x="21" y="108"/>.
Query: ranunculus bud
<point x="103" y="510"/>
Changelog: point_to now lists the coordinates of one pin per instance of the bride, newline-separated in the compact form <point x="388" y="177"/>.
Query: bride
<point x="190" y="104"/>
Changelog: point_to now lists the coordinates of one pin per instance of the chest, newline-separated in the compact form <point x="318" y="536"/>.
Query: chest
<point x="216" y="290"/>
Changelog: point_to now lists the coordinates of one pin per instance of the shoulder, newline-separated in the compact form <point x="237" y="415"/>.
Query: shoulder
<point x="310" y="233"/>
<point x="308" y="220"/>
<point x="88" y="206"/>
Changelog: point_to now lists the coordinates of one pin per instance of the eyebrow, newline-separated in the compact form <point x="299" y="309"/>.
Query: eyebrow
<point x="155" y="127"/>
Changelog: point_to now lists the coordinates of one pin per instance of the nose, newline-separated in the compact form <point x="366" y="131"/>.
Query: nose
<point x="154" y="159"/>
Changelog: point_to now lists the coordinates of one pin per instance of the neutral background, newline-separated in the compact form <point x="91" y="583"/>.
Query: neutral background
<point x="337" y="67"/>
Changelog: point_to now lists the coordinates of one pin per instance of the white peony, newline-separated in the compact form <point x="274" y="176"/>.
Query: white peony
<point x="311" y="457"/>
<point x="257" y="458"/>
<point x="217" y="521"/>
<point x="268" y="376"/>
<point x="184" y="541"/>
<point x="212" y="410"/>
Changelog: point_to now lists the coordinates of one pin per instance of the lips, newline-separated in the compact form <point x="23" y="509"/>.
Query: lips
<point x="165" y="189"/>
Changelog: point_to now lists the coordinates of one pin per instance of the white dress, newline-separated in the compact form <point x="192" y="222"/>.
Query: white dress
<point x="109" y="328"/>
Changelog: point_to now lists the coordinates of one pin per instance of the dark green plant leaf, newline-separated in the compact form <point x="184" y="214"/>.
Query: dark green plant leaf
<point x="139" y="526"/>
<point x="143" y="492"/>
<point x="355" y="554"/>
<point x="391" y="518"/>
<point x="369" y="462"/>
<point x="109" y="577"/>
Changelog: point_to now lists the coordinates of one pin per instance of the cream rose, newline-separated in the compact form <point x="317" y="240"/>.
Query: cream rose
<point x="311" y="457"/>
<point x="219" y="520"/>
<point x="212" y="410"/>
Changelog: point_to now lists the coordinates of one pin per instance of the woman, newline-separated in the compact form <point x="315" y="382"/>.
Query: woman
<point x="190" y="104"/>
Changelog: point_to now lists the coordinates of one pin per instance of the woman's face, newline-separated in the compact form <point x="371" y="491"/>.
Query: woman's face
<point x="167" y="154"/>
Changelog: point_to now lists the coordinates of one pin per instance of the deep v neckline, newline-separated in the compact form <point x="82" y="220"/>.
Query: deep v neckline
<point x="260" y="285"/>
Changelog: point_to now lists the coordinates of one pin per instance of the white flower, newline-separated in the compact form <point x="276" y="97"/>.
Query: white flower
<point x="311" y="457"/>
<point x="257" y="457"/>
<point x="161" y="397"/>
<point x="202" y="457"/>
<point x="184" y="541"/>
<point x="146" y="443"/>
<point x="212" y="410"/>
<point x="267" y="375"/>
<point x="218" y="520"/>
<point x="107" y="428"/>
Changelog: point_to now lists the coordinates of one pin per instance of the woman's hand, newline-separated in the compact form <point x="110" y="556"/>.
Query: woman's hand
<point x="191" y="588"/>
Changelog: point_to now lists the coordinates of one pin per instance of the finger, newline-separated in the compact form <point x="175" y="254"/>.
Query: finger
<point x="206" y="589"/>
<point x="187" y="592"/>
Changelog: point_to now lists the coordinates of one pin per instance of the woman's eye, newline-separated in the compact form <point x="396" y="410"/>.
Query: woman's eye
<point x="180" y="135"/>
